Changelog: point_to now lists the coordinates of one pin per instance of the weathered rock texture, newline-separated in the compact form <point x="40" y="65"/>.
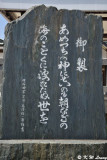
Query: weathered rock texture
<point x="52" y="150"/>
<point x="24" y="43"/>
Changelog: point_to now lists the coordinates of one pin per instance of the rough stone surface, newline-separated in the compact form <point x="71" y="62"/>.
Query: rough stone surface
<point x="52" y="150"/>
<point x="85" y="115"/>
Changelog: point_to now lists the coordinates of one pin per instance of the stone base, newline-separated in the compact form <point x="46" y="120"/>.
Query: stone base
<point x="53" y="149"/>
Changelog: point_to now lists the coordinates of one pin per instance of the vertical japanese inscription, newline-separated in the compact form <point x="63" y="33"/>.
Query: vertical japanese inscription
<point x="43" y="76"/>
<point x="64" y="77"/>
<point x="23" y="85"/>
<point x="81" y="66"/>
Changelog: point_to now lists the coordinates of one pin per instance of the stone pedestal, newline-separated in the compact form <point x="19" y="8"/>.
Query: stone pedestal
<point x="53" y="149"/>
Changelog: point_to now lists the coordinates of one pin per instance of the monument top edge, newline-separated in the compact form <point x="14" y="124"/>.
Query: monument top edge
<point x="54" y="8"/>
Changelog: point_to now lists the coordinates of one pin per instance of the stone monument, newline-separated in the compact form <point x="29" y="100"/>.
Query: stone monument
<point x="52" y="80"/>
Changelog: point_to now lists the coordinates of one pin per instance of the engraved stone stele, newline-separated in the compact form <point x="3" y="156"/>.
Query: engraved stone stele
<point x="52" y="85"/>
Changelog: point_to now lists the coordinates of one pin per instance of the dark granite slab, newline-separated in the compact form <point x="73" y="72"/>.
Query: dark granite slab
<point x="52" y="86"/>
